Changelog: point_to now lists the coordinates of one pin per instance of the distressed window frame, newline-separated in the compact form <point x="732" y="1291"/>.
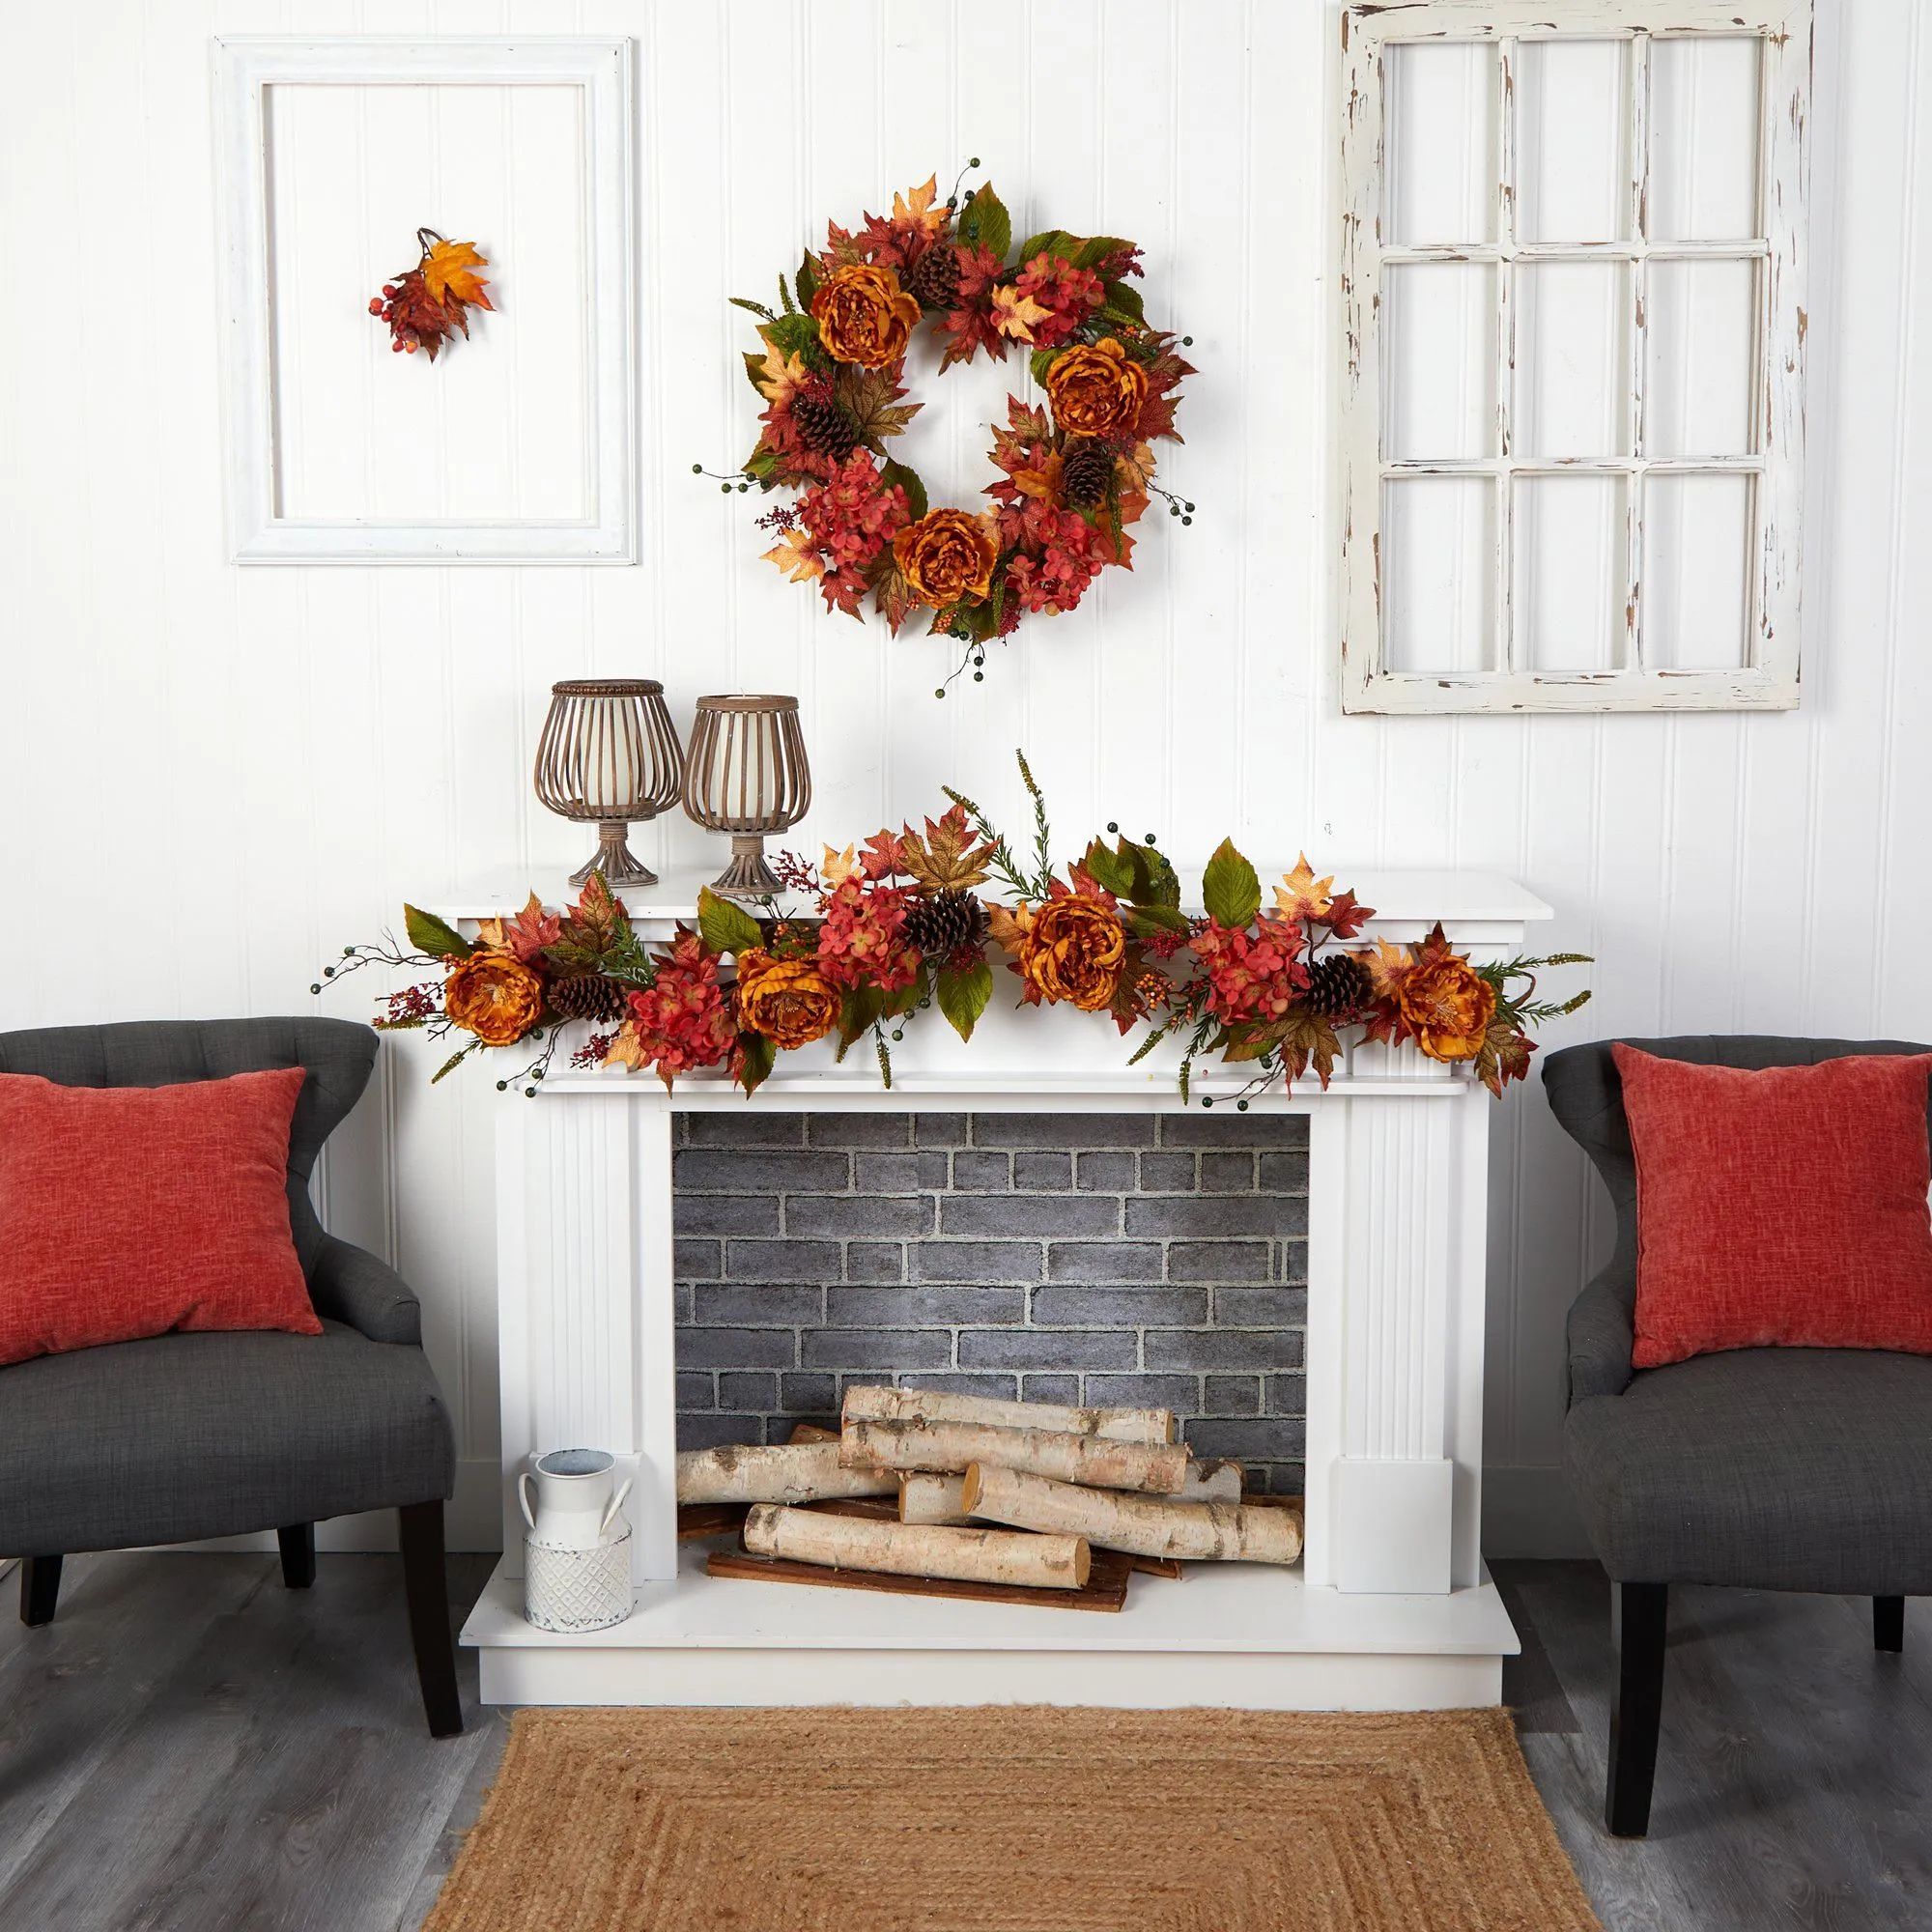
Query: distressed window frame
<point x="1768" y="680"/>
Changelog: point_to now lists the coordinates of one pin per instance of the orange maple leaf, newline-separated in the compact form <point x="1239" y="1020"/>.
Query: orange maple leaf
<point x="1046" y="482"/>
<point x="784" y="375"/>
<point x="836" y="867"/>
<point x="1014" y="314"/>
<point x="627" y="1049"/>
<point x="1388" y="965"/>
<point x="445" y="273"/>
<point x="915" y="207"/>
<point x="794" y="556"/>
<point x="1301" y="895"/>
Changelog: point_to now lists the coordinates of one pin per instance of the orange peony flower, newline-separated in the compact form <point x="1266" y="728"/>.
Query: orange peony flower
<point x="789" y="1001"/>
<point x="1448" y="1006"/>
<point x="494" y="996"/>
<point x="863" y="315"/>
<point x="1073" y="948"/>
<point x="1097" y="390"/>
<point x="947" y="556"/>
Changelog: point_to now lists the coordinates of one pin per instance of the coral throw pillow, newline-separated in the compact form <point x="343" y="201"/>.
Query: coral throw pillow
<point x="1783" y="1208"/>
<point x="126" y="1211"/>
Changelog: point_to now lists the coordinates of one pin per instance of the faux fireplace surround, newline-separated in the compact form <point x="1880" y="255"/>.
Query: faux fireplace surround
<point x="1391" y="1608"/>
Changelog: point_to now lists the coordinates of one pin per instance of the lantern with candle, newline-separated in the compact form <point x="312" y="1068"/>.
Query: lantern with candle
<point x="610" y="754"/>
<point x="747" y="776"/>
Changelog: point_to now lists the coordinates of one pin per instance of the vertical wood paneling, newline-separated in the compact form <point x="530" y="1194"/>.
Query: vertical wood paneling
<point x="264" y="762"/>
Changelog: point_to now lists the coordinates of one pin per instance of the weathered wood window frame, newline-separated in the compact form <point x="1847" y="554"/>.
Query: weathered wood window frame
<point x="1767" y="676"/>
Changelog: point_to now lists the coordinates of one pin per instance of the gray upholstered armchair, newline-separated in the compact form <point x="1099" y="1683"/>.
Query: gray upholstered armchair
<point x="190" y="1436"/>
<point x="1765" y="1468"/>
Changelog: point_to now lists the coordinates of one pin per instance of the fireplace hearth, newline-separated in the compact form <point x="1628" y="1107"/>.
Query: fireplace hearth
<point x="1035" y="1217"/>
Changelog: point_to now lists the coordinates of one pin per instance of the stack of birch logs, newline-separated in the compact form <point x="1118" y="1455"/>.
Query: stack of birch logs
<point x="1056" y="1482"/>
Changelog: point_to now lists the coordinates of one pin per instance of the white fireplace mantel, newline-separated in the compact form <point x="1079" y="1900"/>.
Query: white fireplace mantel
<point x="1391" y="1608"/>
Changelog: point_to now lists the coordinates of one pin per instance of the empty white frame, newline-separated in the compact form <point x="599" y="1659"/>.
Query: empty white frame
<point x="519" y="444"/>
<point x="1572" y="389"/>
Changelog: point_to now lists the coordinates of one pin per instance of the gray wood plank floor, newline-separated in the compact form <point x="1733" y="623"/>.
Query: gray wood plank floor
<point x="190" y="1747"/>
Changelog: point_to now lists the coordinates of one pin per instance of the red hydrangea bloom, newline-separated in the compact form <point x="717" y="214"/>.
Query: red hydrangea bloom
<point x="851" y="517"/>
<point x="863" y="940"/>
<point x="1071" y="294"/>
<point x="683" y="1018"/>
<point x="1251" y="976"/>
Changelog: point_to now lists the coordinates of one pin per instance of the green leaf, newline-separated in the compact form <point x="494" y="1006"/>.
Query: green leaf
<point x="860" y="1010"/>
<point x="755" y="1055"/>
<point x="785" y="301"/>
<point x="1230" y="888"/>
<point x="1145" y="920"/>
<point x="794" y="335"/>
<point x="763" y="466"/>
<point x="429" y="934"/>
<point x="806" y="281"/>
<point x="1163" y="882"/>
<point x="1096" y="248"/>
<point x="1048" y="242"/>
<point x="1123" y="301"/>
<point x="892" y="1006"/>
<point x="963" y="995"/>
<point x="1042" y="360"/>
<point x="1111" y="869"/>
<point x="986" y="220"/>
<point x="726" y="928"/>
<point x="756" y="308"/>
<point x="893" y="472"/>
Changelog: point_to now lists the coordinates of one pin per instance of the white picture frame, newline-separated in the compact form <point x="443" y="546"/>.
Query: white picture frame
<point x="1767" y="676"/>
<point x="259" y="532"/>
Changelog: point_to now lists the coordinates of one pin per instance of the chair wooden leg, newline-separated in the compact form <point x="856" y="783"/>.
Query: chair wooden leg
<point x="1638" y="1616"/>
<point x="298" y="1541"/>
<point x="40" y="1589"/>
<point x="1887" y="1623"/>
<point x="427" y="1590"/>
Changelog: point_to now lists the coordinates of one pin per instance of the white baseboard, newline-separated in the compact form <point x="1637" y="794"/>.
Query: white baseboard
<point x="471" y="1519"/>
<point x="1529" y="1512"/>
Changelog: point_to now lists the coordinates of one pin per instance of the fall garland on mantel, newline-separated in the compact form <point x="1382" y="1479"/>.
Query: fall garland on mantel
<point x="1074" y="475"/>
<point x="902" y="924"/>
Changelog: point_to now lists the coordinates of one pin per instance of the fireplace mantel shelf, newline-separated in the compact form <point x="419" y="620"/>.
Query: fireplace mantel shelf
<point x="1392" y="1608"/>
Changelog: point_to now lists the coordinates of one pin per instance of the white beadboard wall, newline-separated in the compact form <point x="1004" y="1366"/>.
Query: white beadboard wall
<point x="211" y="778"/>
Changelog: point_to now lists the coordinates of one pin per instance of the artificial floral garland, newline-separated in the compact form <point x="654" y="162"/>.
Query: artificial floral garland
<point x="901" y="925"/>
<point x="1075" y="475"/>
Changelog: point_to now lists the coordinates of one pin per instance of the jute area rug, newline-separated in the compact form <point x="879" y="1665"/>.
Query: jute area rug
<point x="1011" y="1820"/>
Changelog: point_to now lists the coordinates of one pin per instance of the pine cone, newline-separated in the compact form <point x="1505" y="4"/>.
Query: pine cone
<point x="933" y="280"/>
<point x="587" y="996"/>
<point x="825" y="427"/>
<point x="1087" y="473"/>
<point x="949" y="919"/>
<point x="1339" y="984"/>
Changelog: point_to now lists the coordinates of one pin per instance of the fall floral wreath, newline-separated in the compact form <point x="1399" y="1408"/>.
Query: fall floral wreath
<point x="1075" y="475"/>
<point x="901" y="925"/>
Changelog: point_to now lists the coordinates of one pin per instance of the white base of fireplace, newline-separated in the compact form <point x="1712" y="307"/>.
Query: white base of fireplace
<point x="1235" y="1635"/>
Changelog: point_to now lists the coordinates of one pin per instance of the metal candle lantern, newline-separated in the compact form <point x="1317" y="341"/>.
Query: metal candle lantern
<point x="747" y="775"/>
<point x="610" y="754"/>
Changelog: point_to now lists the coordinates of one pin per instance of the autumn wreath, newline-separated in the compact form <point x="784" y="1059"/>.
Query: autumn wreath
<point x="917" y="918"/>
<point x="1074" y="475"/>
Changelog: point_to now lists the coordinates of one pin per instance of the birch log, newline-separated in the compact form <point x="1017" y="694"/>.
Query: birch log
<point x="1216" y="1481"/>
<point x="928" y="1498"/>
<point x="952" y="1446"/>
<point x="1222" y="1532"/>
<point x="1114" y="1425"/>
<point x="791" y="1472"/>
<point x="904" y="1550"/>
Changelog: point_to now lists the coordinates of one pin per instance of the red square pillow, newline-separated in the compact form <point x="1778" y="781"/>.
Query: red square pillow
<point x="1781" y="1208"/>
<point x="126" y="1211"/>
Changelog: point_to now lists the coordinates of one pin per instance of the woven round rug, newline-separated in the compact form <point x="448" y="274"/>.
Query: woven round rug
<point x="1007" y="1819"/>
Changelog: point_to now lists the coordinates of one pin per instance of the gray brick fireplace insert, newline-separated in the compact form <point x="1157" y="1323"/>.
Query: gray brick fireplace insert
<point x="1100" y="1258"/>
